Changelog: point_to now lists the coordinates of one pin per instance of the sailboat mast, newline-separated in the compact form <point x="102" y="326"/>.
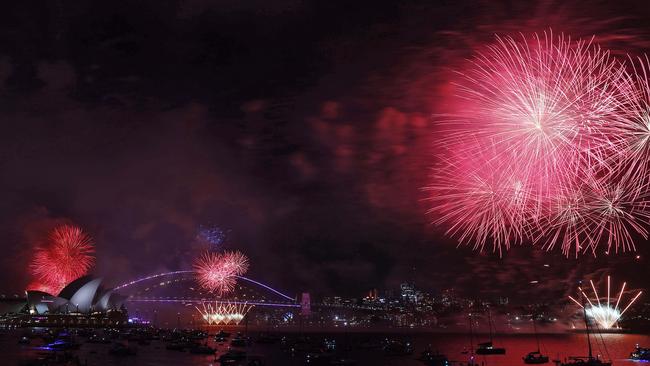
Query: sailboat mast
<point x="536" y="335"/>
<point x="584" y="313"/>
<point x="490" y="323"/>
<point x="471" y="340"/>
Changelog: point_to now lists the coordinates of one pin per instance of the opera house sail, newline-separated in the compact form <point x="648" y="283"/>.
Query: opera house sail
<point x="83" y="302"/>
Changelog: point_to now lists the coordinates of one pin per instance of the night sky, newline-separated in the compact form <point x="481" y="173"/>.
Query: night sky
<point x="301" y="127"/>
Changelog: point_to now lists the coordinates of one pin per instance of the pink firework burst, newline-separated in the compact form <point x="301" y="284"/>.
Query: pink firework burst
<point x="66" y="256"/>
<point x="216" y="272"/>
<point x="234" y="262"/>
<point x="631" y="128"/>
<point x="549" y="143"/>
<point x="617" y="210"/>
<point x="481" y="203"/>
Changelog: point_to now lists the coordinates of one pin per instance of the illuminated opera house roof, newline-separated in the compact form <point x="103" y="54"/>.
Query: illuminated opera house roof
<point x="83" y="295"/>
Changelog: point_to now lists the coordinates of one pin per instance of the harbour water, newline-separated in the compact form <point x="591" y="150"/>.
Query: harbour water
<point x="616" y="347"/>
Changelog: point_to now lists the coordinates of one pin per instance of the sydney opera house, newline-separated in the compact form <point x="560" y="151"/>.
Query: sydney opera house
<point x="83" y="302"/>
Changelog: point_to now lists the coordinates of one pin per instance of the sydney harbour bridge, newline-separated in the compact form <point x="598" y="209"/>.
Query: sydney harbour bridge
<point x="180" y="288"/>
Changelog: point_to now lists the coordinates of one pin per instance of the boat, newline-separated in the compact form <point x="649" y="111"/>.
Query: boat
<point x="55" y="358"/>
<point x="343" y="362"/>
<point x="487" y="348"/>
<point x="121" y="349"/>
<point x="239" y="342"/>
<point x="585" y="361"/>
<point x="267" y="339"/>
<point x="232" y="355"/>
<point x="220" y="339"/>
<point x="431" y="358"/>
<point x="398" y="348"/>
<point x="97" y="339"/>
<point x="202" y="350"/>
<point x="255" y="361"/>
<point x="640" y="354"/>
<point x="329" y="345"/>
<point x="588" y="360"/>
<point x="222" y="333"/>
<point x="300" y="345"/>
<point x="470" y="351"/>
<point x="197" y="335"/>
<point x="221" y="336"/>
<point x="370" y="344"/>
<point x="318" y="358"/>
<point x="63" y="345"/>
<point x="176" y="346"/>
<point x="536" y="357"/>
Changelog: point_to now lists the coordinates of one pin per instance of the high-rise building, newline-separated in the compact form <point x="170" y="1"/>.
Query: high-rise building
<point x="408" y="292"/>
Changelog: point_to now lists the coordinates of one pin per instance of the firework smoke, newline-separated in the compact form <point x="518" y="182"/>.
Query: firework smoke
<point x="216" y="272"/>
<point x="66" y="256"/>
<point x="549" y="143"/>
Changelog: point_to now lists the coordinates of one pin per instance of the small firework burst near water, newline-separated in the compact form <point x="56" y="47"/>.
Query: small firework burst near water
<point x="550" y="144"/>
<point x="66" y="256"/>
<point x="216" y="272"/>
<point x="224" y="313"/>
<point x="605" y="312"/>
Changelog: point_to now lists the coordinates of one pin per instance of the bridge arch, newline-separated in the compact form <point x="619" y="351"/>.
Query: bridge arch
<point x="283" y="299"/>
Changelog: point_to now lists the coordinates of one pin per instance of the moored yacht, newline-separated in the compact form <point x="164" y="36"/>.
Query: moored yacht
<point x="487" y="348"/>
<point x="536" y="357"/>
<point x="588" y="360"/>
<point x="640" y="354"/>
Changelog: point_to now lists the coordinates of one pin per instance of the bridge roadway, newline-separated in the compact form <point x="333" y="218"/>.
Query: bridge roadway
<point x="292" y="302"/>
<point x="206" y="300"/>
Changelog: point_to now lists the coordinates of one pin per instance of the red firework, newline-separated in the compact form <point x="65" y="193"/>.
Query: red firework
<point x="216" y="272"/>
<point x="66" y="256"/>
<point x="550" y="143"/>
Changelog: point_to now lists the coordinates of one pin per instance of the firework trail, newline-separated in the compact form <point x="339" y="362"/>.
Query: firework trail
<point x="216" y="272"/>
<point x="66" y="256"/>
<point x="550" y="144"/>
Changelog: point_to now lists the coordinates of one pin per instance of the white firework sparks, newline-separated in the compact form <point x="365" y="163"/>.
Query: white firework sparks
<point x="224" y="313"/>
<point x="605" y="314"/>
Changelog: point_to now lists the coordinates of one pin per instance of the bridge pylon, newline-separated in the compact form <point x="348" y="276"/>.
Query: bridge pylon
<point x="305" y="304"/>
